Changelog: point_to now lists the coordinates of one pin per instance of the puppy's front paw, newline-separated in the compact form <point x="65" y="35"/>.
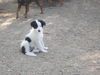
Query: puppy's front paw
<point x="46" y="48"/>
<point x="45" y="51"/>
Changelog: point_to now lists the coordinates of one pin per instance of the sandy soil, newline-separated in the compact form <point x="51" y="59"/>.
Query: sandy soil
<point x="72" y="35"/>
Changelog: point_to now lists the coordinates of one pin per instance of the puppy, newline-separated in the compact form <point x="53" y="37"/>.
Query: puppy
<point x="34" y="39"/>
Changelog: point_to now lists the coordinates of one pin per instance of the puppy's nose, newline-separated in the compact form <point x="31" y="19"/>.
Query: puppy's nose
<point x="39" y="31"/>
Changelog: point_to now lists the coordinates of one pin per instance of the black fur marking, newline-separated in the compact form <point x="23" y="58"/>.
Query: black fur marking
<point x="23" y="50"/>
<point x="42" y="22"/>
<point x="31" y="49"/>
<point x="28" y="39"/>
<point x="34" y="25"/>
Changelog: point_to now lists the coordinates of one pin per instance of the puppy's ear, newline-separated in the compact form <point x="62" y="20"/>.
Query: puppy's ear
<point x="34" y="24"/>
<point x="42" y="22"/>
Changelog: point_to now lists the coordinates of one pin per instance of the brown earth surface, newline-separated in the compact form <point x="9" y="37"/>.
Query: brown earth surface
<point x="72" y="35"/>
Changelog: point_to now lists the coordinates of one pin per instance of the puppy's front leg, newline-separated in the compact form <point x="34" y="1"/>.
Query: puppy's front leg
<point x="41" y="47"/>
<point x="42" y="42"/>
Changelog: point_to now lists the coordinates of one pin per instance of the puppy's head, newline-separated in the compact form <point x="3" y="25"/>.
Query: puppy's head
<point x="38" y="25"/>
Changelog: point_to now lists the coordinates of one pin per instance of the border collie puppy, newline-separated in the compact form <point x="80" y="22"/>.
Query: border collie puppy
<point x="34" y="39"/>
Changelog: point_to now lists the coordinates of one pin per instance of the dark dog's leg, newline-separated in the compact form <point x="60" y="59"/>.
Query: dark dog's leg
<point x="42" y="6"/>
<point x="18" y="9"/>
<point x="40" y="3"/>
<point x="26" y="10"/>
<point x="50" y="1"/>
<point x="61" y="2"/>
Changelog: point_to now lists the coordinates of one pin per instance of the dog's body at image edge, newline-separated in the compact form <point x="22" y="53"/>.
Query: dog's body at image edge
<point x="26" y="3"/>
<point x="34" y="39"/>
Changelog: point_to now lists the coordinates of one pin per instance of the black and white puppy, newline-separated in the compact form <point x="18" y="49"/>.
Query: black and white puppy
<point x="34" y="39"/>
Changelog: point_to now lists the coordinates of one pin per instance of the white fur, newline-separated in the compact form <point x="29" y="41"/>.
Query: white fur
<point x="36" y="41"/>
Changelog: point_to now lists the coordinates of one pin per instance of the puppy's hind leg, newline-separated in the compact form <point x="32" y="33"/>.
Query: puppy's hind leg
<point x="34" y="49"/>
<point x="25" y="47"/>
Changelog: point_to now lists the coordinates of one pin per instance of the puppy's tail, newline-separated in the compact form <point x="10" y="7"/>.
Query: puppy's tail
<point x="25" y="49"/>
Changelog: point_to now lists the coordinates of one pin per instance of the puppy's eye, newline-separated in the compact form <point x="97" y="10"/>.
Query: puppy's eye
<point x="39" y="31"/>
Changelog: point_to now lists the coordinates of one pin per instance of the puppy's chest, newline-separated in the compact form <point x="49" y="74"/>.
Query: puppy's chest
<point x="35" y="37"/>
<point x="35" y="40"/>
<point x="38" y="35"/>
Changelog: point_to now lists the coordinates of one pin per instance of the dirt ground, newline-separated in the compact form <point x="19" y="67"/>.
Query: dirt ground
<point x="72" y="35"/>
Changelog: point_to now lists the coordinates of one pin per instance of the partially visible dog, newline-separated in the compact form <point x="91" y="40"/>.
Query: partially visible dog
<point x="34" y="39"/>
<point x="26" y="3"/>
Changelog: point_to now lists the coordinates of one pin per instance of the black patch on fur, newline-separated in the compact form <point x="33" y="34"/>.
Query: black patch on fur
<point x="23" y="50"/>
<point x="42" y="22"/>
<point x="28" y="39"/>
<point x="31" y="49"/>
<point x="34" y="25"/>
